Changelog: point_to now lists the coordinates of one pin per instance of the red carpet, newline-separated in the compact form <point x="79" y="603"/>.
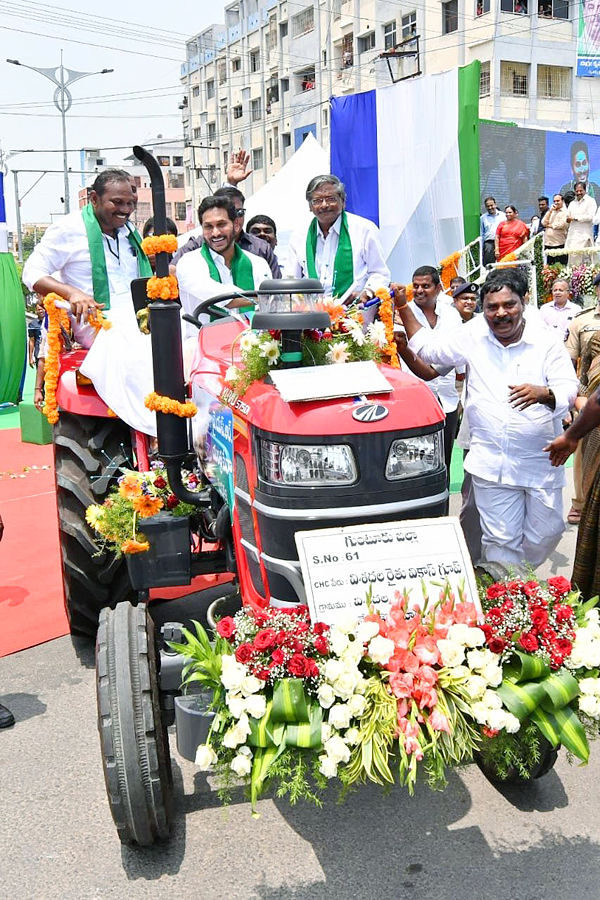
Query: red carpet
<point x="31" y="595"/>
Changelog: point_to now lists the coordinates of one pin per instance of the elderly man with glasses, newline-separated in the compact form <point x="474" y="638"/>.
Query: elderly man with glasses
<point x="339" y="248"/>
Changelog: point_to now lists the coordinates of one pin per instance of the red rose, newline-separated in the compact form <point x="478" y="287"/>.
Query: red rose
<point x="263" y="674"/>
<point x="548" y="636"/>
<point x="244" y="653"/>
<point x="301" y="627"/>
<point x="265" y="638"/>
<point x="559" y="586"/>
<point x="496" y="645"/>
<point x="320" y="628"/>
<point x="531" y="588"/>
<point x="539" y="618"/>
<point x="312" y="669"/>
<point x="507" y="606"/>
<point x="321" y="645"/>
<point x="556" y="660"/>
<point x="563" y="646"/>
<point x="513" y="586"/>
<point x="226" y="627"/>
<point x="495" y="591"/>
<point x="495" y="615"/>
<point x="278" y="656"/>
<point x="487" y="630"/>
<point x="563" y="613"/>
<point x="489" y="732"/>
<point x="172" y="501"/>
<point x="282" y="637"/>
<point x="529" y="642"/>
<point x="160" y="482"/>
<point x="297" y="665"/>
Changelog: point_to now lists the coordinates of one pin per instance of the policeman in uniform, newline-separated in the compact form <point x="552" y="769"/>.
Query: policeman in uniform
<point x="581" y="329"/>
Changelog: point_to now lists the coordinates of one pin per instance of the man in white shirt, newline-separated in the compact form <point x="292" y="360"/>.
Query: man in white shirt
<point x="89" y="258"/>
<point x="520" y="384"/>
<point x="580" y="216"/>
<point x="488" y="222"/>
<point x="340" y="249"/>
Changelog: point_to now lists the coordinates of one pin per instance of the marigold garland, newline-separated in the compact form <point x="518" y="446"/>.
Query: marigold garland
<point x="449" y="269"/>
<point x="157" y="403"/>
<point x="97" y="320"/>
<point x="159" y="243"/>
<point x="510" y="257"/>
<point x="386" y="314"/>
<point x="57" y="318"/>
<point x="162" y="288"/>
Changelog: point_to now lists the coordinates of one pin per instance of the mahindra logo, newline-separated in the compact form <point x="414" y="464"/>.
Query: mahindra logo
<point x="370" y="412"/>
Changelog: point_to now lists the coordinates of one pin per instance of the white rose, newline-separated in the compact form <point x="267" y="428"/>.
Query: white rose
<point x="333" y="669"/>
<point x="352" y="736"/>
<point x="381" y="650"/>
<point x="238" y="734"/>
<point x="232" y="673"/>
<point x="492" y="674"/>
<point x="344" y="685"/>
<point x="492" y="700"/>
<point x="452" y="653"/>
<point x="593" y="615"/>
<point x="325" y="696"/>
<point x="205" y="757"/>
<point x="232" y="373"/>
<point x="241" y="765"/>
<point x="589" y="685"/>
<point x="459" y="672"/>
<point x="476" y="659"/>
<point x="346" y="623"/>
<point x="475" y="637"/>
<point x="366" y="631"/>
<point x="256" y="706"/>
<point x="497" y="719"/>
<point x="336" y="749"/>
<point x="338" y="641"/>
<point x="585" y="654"/>
<point x="480" y="712"/>
<point x="353" y="653"/>
<point x="326" y="732"/>
<point x="357" y="704"/>
<point x="251" y="684"/>
<point x="339" y="716"/>
<point x="459" y="633"/>
<point x="328" y="767"/>
<point x="236" y="704"/>
<point x="511" y="723"/>
<point x="475" y="687"/>
<point x="590" y="705"/>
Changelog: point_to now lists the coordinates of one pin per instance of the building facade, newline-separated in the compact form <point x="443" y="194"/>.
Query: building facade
<point x="262" y="80"/>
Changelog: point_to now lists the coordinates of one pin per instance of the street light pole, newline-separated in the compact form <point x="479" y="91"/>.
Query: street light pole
<point x="63" y="101"/>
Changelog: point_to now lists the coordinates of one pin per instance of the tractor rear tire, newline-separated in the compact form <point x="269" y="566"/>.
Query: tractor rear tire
<point x="133" y="738"/>
<point x="88" y="454"/>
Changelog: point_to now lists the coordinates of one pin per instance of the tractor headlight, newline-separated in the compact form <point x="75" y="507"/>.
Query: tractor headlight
<point x="307" y="464"/>
<point x="414" y="456"/>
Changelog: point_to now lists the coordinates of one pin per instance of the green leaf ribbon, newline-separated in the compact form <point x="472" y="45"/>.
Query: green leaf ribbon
<point x="532" y="691"/>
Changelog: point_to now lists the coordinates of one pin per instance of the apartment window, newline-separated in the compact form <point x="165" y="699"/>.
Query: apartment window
<point x="257" y="158"/>
<point x="483" y="7"/>
<point x="175" y="179"/>
<point x="283" y="30"/>
<point x="196" y="91"/>
<point x="169" y="209"/>
<point x="180" y="211"/>
<point x="518" y="7"/>
<point x="238" y="111"/>
<point x="286" y="139"/>
<point x="178" y="160"/>
<point x="306" y="80"/>
<point x="224" y="118"/>
<point x="271" y="150"/>
<point x="273" y="90"/>
<point x="196" y="134"/>
<point x="236" y="64"/>
<point x="222" y="71"/>
<point x="484" y="80"/>
<point x="450" y="16"/>
<point x="554" y="82"/>
<point x="255" y="60"/>
<point x="210" y="89"/>
<point x="211" y="132"/>
<point x="347" y="51"/>
<point x="285" y="85"/>
<point x="367" y="42"/>
<point x="143" y="211"/>
<point x="553" y="9"/>
<point x="212" y="174"/>
<point x="255" y="110"/>
<point x="324" y="117"/>
<point x="163" y="160"/>
<point x="389" y="36"/>
<point x="324" y="59"/>
<point x="225" y="160"/>
<point x="409" y="25"/>
<point x="514" y="79"/>
<point x="276" y="143"/>
<point x="303" y="22"/>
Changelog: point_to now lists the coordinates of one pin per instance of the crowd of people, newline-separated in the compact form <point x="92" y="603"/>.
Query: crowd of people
<point x="503" y="366"/>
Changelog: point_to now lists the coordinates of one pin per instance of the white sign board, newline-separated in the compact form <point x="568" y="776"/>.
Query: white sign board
<point x="325" y="382"/>
<point x="339" y="565"/>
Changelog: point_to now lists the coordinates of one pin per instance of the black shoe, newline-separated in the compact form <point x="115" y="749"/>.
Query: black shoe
<point x="6" y="717"/>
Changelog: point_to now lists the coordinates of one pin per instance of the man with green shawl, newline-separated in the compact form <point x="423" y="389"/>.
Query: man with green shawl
<point x="340" y="249"/>
<point x="89" y="258"/>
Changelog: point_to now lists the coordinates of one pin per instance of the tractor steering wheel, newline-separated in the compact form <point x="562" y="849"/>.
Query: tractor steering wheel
<point x="218" y="311"/>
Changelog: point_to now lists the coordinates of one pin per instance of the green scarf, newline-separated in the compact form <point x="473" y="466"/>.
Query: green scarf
<point x="95" y="238"/>
<point x="343" y="267"/>
<point x="242" y="272"/>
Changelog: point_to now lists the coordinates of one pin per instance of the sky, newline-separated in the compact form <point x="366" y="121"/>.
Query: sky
<point x="135" y="103"/>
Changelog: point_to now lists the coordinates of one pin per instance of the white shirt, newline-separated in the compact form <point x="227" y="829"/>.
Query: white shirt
<point x="581" y="232"/>
<point x="64" y="254"/>
<point x="196" y="284"/>
<point x="370" y="269"/>
<point x="506" y="444"/>
<point x="444" y="386"/>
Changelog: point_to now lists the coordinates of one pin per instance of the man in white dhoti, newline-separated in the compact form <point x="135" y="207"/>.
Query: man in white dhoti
<point x="520" y="384"/>
<point x="89" y="258"/>
<point x="580" y="216"/>
<point x="340" y="249"/>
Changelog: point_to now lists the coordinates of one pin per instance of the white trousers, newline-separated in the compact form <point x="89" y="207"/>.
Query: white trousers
<point x="518" y="524"/>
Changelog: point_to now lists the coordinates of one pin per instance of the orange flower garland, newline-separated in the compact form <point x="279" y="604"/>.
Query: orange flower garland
<point x="133" y="546"/>
<point x="146" y="506"/>
<point x="57" y="318"/>
<point x="98" y="321"/>
<point x="159" y="243"/>
<point x="157" y="403"/>
<point x="449" y="269"/>
<point x="386" y="314"/>
<point x="162" y="288"/>
<point x="510" y="257"/>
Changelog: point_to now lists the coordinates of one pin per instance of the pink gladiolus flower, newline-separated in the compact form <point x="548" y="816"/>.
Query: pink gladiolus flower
<point x="411" y="745"/>
<point x="402" y="709"/>
<point x="401" y="684"/>
<point x="408" y="661"/>
<point x="426" y="651"/>
<point x="428" y="676"/>
<point x="427" y="698"/>
<point x="439" y="721"/>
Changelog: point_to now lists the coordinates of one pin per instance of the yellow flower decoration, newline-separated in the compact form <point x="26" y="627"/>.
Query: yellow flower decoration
<point x="386" y="314"/>
<point x="162" y="288"/>
<point x="94" y="515"/>
<point x="159" y="243"/>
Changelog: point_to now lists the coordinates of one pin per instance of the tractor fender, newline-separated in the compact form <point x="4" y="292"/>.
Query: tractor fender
<point x="79" y="399"/>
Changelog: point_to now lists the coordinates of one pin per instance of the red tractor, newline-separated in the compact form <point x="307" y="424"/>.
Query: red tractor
<point x="271" y="469"/>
